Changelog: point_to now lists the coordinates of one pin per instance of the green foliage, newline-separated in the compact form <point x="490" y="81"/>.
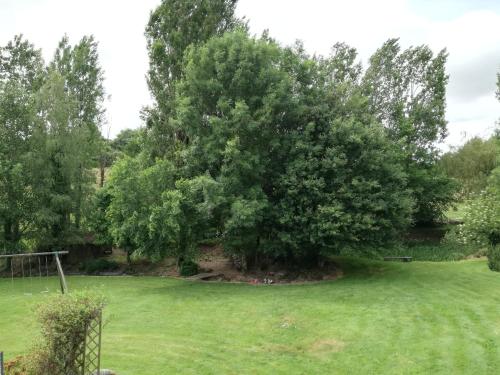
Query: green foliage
<point x="482" y="216"/>
<point x="66" y="164"/>
<point x="84" y="84"/>
<point x="407" y="93"/>
<point x="20" y="62"/>
<point x="299" y="175"/>
<point x="494" y="258"/>
<point x="433" y="191"/>
<point x="97" y="221"/>
<point x="174" y="26"/>
<point x="128" y="142"/>
<point x="472" y="164"/>
<point x="133" y="190"/>
<point x="188" y="268"/>
<point x="63" y="321"/>
<point x="153" y="212"/>
<point x="21" y="74"/>
<point x="17" y="203"/>
<point x="342" y="190"/>
<point x="84" y="78"/>
<point x="49" y="121"/>
<point x="95" y="266"/>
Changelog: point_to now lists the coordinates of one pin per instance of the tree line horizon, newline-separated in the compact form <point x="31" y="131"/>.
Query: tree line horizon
<point x="279" y="154"/>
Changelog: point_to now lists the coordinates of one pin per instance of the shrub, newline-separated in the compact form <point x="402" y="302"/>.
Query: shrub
<point x="63" y="325"/>
<point x="494" y="258"/>
<point x="16" y="366"/>
<point x="481" y="221"/>
<point x="94" y="266"/>
<point x="188" y="268"/>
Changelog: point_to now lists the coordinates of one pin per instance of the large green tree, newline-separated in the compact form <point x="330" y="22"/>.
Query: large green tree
<point x="49" y="129"/>
<point x="84" y="77"/>
<point x="407" y="93"/>
<point x="21" y="74"/>
<point x="280" y="156"/>
<point x="16" y="127"/>
<point x="173" y="26"/>
<point x="65" y="159"/>
<point x="303" y="169"/>
<point x="83" y="80"/>
<point x="153" y="212"/>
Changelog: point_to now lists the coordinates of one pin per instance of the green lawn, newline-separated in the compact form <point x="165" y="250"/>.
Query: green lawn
<point x="381" y="318"/>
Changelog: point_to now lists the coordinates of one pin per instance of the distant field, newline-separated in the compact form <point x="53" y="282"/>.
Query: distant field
<point x="381" y="318"/>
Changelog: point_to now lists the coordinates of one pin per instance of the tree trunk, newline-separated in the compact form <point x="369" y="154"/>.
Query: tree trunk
<point x="7" y="230"/>
<point x="78" y="208"/>
<point x="101" y="181"/>
<point x="12" y="235"/>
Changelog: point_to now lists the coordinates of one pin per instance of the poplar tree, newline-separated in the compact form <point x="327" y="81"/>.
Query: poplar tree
<point x="407" y="93"/>
<point x="173" y="26"/>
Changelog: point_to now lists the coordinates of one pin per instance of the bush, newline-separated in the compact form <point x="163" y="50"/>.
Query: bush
<point x="94" y="266"/>
<point x="494" y="258"/>
<point x="16" y="366"/>
<point x="63" y="320"/>
<point x="188" y="268"/>
<point x="481" y="221"/>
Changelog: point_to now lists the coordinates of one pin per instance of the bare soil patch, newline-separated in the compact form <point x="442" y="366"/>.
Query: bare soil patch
<point x="213" y="260"/>
<point x="214" y="265"/>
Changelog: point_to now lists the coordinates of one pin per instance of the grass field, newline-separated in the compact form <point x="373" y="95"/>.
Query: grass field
<point x="381" y="318"/>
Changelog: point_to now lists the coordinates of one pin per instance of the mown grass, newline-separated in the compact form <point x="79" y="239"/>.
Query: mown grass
<point x="380" y="318"/>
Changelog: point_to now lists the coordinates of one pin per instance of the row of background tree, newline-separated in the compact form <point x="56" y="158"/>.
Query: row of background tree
<point x="50" y="117"/>
<point x="279" y="154"/>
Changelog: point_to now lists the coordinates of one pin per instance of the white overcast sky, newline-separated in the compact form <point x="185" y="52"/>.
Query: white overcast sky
<point x="469" y="29"/>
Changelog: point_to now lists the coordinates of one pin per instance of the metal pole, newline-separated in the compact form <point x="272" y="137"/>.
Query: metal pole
<point x="62" y="279"/>
<point x="33" y="254"/>
<point x="1" y="364"/>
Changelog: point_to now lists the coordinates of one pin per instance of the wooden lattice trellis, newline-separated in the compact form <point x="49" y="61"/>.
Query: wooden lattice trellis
<point x="89" y="352"/>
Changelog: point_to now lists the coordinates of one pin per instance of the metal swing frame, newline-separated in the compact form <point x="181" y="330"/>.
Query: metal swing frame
<point x="88" y="352"/>
<point x="55" y="254"/>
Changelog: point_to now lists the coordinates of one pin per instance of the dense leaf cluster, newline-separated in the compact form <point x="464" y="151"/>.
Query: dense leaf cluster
<point x="279" y="156"/>
<point x="50" y="118"/>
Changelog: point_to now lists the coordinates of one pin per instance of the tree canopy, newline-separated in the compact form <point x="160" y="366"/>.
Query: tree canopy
<point x="279" y="156"/>
<point x="173" y="26"/>
<point x="50" y="118"/>
<point x="472" y="164"/>
<point x="407" y="93"/>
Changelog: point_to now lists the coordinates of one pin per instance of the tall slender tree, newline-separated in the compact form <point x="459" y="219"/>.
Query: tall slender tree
<point x="407" y="93"/>
<point x="21" y="74"/>
<point x="173" y="26"/>
<point x="84" y="82"/>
